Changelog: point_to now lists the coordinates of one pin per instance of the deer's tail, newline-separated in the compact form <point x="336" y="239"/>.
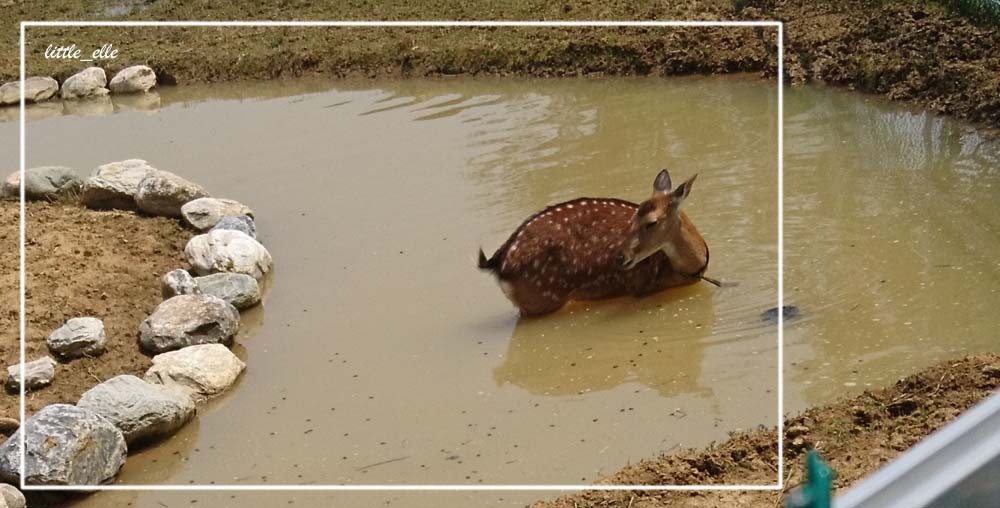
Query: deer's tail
<point x="492" y="264"/>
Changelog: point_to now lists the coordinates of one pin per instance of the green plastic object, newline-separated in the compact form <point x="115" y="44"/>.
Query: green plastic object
<point x="816" y="493"/>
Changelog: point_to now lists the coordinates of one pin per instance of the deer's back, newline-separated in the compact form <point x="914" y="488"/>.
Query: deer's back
<point x="569" y="244"/>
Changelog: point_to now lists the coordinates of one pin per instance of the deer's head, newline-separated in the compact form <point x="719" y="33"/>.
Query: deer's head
<point x="656" y="223"/>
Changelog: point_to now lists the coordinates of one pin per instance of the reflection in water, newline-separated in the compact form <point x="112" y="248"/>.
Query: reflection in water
<point x="90" y="106"/>
<point x="657" y="341"/>
<point x="148" y="102"/>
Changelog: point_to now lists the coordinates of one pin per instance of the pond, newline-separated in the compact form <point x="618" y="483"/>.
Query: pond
<point x="381" y="355"/>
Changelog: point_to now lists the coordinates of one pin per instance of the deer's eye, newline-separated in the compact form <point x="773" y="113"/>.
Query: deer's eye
<point x="650" y="225"/>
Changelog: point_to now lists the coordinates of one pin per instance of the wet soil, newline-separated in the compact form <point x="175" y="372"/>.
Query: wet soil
<point x="855" y="435"/>
<point x="82" y="263"/>
<point x="911" y="51"/>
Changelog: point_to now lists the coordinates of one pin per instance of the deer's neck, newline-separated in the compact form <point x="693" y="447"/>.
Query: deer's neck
<point x="686" y="249"/>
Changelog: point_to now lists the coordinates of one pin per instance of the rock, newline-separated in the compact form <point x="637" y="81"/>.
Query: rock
<point x="11" y="187"/>
<point x="178" y="282"/>
<point x="36" y="89"/>
<point x="82" y="336"/>
<point x="65" y="445"/>
<point x="226" y="250"/>
<point x="115" y="184"/>
<point x="42" y="183"/>
<point x="134" y="79"/>
<point x="10" y="497"/>
<point x="206" y="370"/>
<point x="49" y="181"/>
<point x="89" y="82"/>
<point x="139" y="409"/>
<point x="164" y="193"/>
<point x="186" y="320"/>
<point x="242" y="223"/>
<point x="787" y="312"/>
<point x="204" y="213"/>
<point x="239" y="289"/>
<point x="37" y="374"/>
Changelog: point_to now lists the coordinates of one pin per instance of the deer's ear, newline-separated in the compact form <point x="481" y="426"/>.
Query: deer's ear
<point x="682" y="191"/>
<point x="662" y="182"/>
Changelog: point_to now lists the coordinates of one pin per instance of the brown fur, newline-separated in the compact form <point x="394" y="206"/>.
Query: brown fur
<point x="569" y="251"/>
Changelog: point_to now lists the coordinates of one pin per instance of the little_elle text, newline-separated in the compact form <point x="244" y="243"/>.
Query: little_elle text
<point x="71" y="52"/>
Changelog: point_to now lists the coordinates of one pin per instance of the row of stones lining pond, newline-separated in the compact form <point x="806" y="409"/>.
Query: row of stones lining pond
<point x="90" y="82"/>
<point x="188" y="332"/>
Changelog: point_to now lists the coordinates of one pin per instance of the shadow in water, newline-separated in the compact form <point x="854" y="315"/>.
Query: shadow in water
<point x="657" y="341"/>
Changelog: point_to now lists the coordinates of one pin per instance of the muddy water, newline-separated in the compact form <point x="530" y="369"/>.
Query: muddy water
<point x="381" y="355"/>
<point x="892" y="224"/>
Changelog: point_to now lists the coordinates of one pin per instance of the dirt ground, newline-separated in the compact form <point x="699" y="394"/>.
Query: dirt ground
<point x="855" y="436"/>
<point x="915" y="51"/>
<point x="82" y="263"/>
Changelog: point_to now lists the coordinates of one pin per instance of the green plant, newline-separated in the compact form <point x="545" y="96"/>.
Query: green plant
<point x="986" y="12"/>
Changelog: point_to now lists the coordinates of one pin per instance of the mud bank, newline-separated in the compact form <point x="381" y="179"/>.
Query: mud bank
<point x="856" y="435"/>
<point x="82" y="262"/>
<point x="911" y="51"/>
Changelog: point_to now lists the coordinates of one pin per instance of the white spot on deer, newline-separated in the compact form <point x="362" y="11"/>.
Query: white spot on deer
<point x="569" y="207"/>
<point x="535" y="263"/>
<point x="558" y="209"/>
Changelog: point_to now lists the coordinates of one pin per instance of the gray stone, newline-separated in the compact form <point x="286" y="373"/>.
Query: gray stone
<point x="206" y="370"/>
<point x="140" y="410"/>
<point x="64" y="445"/>
<point x="134" y="79"/>
<point x="204" y="213"/>
<point x="115" y="184"/>
<point x="37" y="374"/>
<point x="178" y="282"/>
<point x="49" y="181"/>
<point x="186" y="320"/>
<point x="11" y="186"/>
<point x="164" y="193"/>
<point x="82" y="336"/>
<point x="42" y="183"/>
<point x="239" y="289"/>
<point x="242" y="223"/>
<point x="10" y="497"/>
<point x="89" y="82"/>
<point x="36" y="89"/>
<point x="226" y="250"/>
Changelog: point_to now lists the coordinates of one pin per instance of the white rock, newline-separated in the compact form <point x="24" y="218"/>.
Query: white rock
<point x="164" y="193"/>
<point x="64" y="445"/>
<point x="134" y="79"/>
<point x="115" y="184"/>
<point x="10" y="497"/>
<point x="89" y="82"/>
<point x="206" y="370"/>
<point x="226" y="250"/>
<point x="204" y="213"/>
<point x="37" y="374"/>
<point x="82" y="336"/>
<point x="36" y="89"/>
<point x="141" y="410"/>
<point x="178" y="282"/>
<point x="186" y="320"/>
<point x="239" y="289"/>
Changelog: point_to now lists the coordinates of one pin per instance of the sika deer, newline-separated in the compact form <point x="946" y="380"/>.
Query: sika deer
<point x="592" y="248"/>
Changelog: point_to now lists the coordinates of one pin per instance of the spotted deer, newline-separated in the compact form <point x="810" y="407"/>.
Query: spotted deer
<point x="593" y="248"/>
